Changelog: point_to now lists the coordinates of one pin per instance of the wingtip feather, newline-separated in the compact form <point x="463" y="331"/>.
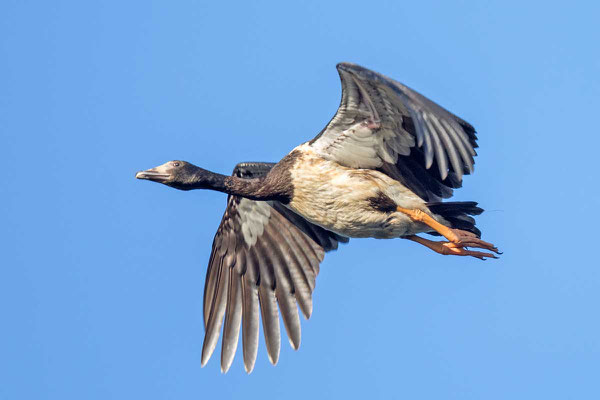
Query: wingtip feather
<point x="206" y="354"/>
<point x="249" y="368"/>
<point x="295" y="345"/>
<point x="204" y="361"/>
<point x="273" y="359"/>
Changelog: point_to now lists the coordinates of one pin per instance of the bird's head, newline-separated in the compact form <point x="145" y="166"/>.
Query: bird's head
<point x="180" y="175"/>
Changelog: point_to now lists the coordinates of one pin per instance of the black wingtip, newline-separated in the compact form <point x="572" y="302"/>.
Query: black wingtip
<point x="348" y="66"/>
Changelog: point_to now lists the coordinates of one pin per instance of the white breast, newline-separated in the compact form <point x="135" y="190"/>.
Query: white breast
<point x="337" y="198"/>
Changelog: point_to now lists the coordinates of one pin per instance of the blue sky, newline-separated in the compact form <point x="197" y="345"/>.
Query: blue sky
<point x="102" y="275"/>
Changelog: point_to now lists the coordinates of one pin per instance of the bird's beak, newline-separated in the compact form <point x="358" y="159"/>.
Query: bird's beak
<point x="157" y="174"/>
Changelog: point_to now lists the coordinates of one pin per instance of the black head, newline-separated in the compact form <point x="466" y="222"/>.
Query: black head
<point x="178" y="174"/>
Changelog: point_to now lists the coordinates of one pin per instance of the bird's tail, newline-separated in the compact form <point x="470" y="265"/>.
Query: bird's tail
<point x="458" y="213"/>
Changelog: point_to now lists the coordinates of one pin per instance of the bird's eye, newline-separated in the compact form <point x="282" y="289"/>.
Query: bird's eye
<point x="176" y="164"/>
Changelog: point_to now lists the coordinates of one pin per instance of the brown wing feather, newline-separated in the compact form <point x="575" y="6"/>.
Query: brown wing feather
<point x="263" y="255"/>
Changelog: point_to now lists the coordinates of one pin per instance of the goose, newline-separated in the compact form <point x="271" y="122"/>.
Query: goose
<point x="380" y="168"/>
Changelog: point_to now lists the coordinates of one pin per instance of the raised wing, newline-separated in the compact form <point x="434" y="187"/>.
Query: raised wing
<point x="384" y="125"/>
<point x="263" y="255"/>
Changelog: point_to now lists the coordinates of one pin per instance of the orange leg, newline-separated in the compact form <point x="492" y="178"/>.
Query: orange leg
<point x="456" y="236"/>
<point x="447" y="248"/>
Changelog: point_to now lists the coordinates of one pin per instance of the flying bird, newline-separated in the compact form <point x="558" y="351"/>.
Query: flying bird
<point x="380" y="168"/>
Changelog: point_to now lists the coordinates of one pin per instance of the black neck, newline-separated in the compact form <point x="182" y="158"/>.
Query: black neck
<point x="253" y="189"/>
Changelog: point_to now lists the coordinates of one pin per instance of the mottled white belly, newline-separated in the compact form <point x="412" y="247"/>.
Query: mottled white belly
<point x="338" y="199"/>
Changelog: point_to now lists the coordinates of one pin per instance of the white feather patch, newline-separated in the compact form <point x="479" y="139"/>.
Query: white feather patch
<point x="254" y="215"/>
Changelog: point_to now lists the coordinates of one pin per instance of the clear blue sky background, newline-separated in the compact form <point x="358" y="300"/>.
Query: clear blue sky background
<point x="102" y="275"/>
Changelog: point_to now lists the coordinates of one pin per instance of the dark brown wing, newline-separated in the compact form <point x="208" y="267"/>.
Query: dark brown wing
<point x="382" y="124"/>
<point x="263" y="255"/>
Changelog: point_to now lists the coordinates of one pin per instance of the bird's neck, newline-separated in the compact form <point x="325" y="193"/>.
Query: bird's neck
<point x="253" y="189"/>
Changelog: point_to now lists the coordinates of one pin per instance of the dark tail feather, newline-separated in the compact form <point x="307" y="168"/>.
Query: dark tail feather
<point x="458" y="214"/>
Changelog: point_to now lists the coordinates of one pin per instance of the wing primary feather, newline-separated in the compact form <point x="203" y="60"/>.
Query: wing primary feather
<point x="311" y="256"/>
<point x="297" y="239"/>
<point x="215" y="320"/>
<point x="210" y="283"/>
<point x="284" y="291"/>
<point x="418" y="128"/>
<point x="463" y="137"/>
<point x="233" y="316"/>
<point x="428" y="147"/>
<point x="268" y="306"/>
<point x="323" y="240"/>
<point x="223" y="244"/>
<point x="250" y="312"/>
<point x="270" y="319"/>
<point x="458" y="143"/>
<point x="289" y="312"/>
<point x="299" y="280"/>
<point x="440" y="154"/>
<point x="450" y="149"/>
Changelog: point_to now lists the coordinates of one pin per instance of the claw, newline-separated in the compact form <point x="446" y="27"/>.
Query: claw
<point x="455" y="249"/>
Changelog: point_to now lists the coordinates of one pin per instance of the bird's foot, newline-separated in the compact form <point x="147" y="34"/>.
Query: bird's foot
<point x="449" y="248"/>
<point x="459" y="239"/>
<point x="457" y="249"/>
